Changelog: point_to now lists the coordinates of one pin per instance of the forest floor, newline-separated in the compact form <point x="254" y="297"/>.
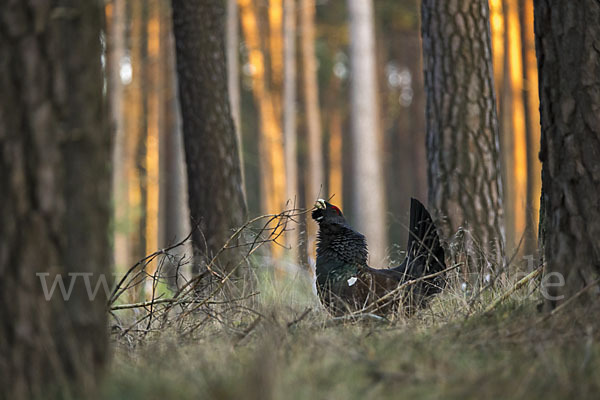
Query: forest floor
<point x="285" y="346"/>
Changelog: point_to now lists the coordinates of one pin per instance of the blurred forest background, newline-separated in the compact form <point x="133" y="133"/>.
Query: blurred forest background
<point x="289" y="82"/>
<point x="132" y="129"/>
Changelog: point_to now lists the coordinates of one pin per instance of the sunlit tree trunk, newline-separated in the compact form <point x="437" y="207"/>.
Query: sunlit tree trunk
<point x="368" y="194"/>
<point x="173" y="224"/>
<point x="567" y="36"/>
<point x="513" y="130"/>
<point x="140" y="157"/>
<point x="465" y="185"/>
<point x="289" y="117"/>
<point x="314" y="177"/>
<point x="213" y="166"/>
<point x="497" y="31"/>
<point x="133" y="223"/>
<point x="55" y="208"/>
<point x="272" y="163"/>
<point x="276" y="51"/>
<point x="152" y="85"/>
<point x="116" y="21"/>
<point x="532" y="123"/>
<point x="336" y="175"/>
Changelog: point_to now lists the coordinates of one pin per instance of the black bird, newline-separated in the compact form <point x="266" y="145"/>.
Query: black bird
<point x="345" y="283"/>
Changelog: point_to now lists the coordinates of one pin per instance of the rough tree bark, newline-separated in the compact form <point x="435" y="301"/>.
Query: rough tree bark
<point x="465" y="185"/>
<point x="368" y="194"/>
<point x="55" y="207"/>
<point x="213" y="166"/>
<point x="568" y="54"/>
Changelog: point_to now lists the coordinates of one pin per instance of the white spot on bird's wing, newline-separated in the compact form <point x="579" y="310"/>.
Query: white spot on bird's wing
<point x="320" y="218"/>
<point x="352" y="281"/>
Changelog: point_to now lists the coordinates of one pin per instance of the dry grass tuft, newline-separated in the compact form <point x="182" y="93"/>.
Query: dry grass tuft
<point x="264" y="337"/>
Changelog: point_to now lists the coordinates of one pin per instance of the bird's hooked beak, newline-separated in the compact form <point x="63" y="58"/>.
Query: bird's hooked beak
<point x="320" y="204"/>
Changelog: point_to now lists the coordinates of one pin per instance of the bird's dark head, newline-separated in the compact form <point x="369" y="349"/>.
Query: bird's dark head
<point x="327" y="213"/>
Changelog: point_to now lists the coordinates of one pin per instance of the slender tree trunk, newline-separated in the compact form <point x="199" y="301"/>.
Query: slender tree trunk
<point x="173" y="207"/>
<point x="368" y="194"/>
<point x="314" y="181"/>
<point x="272" y="161"/>
<point x="152" y="163"/>
<point x="567" y="38"/>
<point x="289" y="116"/>
<point x="532" y="122"/>
<point x="213" y="166"/>
<point x="497" y="31"/>
<point x="336" y="175"/>
<point x="55" y="207"/>
<point x="233" y="75"/>
<point x="276" y="52"/>
<point x="141" y="144"/>
<point x="465" y="184"/>
<point x="116" y="52"/>
<point x="134" y="131"/>
<point x="516" y="177"/>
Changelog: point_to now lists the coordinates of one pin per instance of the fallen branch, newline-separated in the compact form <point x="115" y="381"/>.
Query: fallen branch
<point x="513" y="289"/>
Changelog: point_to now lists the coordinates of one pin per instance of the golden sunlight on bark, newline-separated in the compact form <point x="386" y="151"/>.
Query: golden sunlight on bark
<point x="133" y="119"/>
<point x="314" y="178"/>
<point x="276" y="41"/>
<point x="534" y="166"/>
<point x="497" y="30"/>
<point x="335" y="158"/>
<point x="152" y="163"/>
<point x="272" y="166"/>
<point x="519" y="168"/>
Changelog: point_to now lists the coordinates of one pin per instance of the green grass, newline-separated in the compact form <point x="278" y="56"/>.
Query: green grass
<point x="448" y="351"/>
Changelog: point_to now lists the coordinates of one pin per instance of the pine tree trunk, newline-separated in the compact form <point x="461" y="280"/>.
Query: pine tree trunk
<point x="213" y="166"/>
<point x="531" y="101"/>
<point x="289" y="118"/>
<point x="271" y="146"/>
<point x="55" y="204"/>
<point x="465" y="185"/>
<point x="568" y="54"/>
<point x="314" y="181"/>
<point x="115" y="52"/>
<point x="368" y="194"/>
<point x="174" y="213"/>
<point x="233" y="74"/>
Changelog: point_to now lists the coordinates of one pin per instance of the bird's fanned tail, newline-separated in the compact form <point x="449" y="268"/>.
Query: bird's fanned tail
<point x="425" y="255"/>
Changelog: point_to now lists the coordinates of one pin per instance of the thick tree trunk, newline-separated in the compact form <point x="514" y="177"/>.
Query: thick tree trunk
<point x="368" y="194"/>
<point x="465" y="184"/>
<point x="213" y="166"/>
<point x="55" y="207"/>
<point x="568" y="54"/>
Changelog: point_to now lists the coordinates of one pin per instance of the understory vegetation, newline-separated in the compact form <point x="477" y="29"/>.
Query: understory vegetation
<point x="276" y="341"/>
